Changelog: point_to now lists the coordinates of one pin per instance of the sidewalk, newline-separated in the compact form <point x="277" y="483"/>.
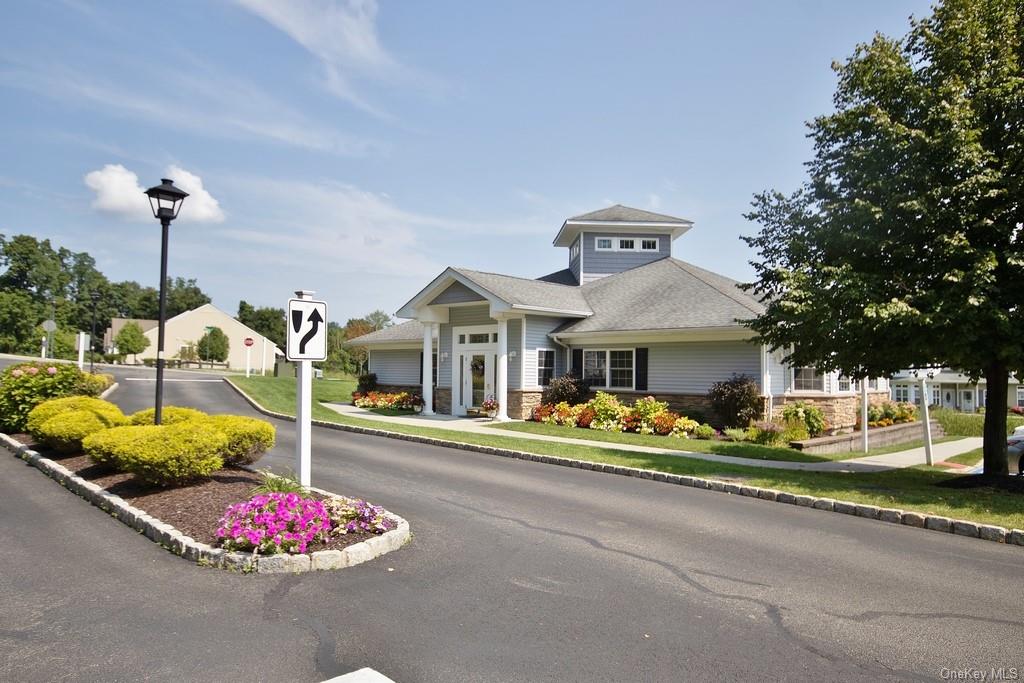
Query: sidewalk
<point x="874" y="463"/>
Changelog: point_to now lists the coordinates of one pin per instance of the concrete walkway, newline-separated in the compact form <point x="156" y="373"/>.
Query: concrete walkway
<point x="874" y="463"/>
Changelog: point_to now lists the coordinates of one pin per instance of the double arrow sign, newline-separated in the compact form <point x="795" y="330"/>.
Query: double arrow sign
<point x="307" y="330"/>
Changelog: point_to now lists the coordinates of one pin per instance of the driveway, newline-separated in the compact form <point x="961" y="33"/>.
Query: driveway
<point x="518" y="571"/>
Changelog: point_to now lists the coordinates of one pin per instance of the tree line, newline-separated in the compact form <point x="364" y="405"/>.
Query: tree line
<point x="41" y="281"/>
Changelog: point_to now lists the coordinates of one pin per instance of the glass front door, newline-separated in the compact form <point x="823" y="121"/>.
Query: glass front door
<point x="477" y="379"/>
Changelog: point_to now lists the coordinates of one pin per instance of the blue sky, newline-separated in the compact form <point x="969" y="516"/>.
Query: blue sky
<point x="357" y="148"/>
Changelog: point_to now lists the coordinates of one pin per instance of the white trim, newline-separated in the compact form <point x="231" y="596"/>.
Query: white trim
<point x="522" y="353"/>
<point x="732" y="333"/>
<point x="554" y="364"/>
<point x="617" y="243"/>
<point x="608" y="367"/>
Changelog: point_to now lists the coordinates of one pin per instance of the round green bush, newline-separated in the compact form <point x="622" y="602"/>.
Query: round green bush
<point x="65" y="432"/>
<point x="161" y="454"/>
<point x="168" y="415"/>
<point x="47" y="410"/>
<point x="248" y="437"/>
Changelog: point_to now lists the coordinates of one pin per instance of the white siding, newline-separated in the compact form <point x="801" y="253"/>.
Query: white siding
<point x="396" y="366"/>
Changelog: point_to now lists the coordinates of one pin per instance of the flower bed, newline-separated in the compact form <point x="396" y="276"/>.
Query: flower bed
<point x="604" y="412"/>
<point x="380" y="400"/>
<point x="889" y="413"/>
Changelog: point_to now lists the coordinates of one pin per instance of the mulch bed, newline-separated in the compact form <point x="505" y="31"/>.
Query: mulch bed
<point x="194" y="510"/>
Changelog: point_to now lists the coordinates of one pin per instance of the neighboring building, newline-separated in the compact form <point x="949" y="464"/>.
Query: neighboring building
<point x="950" y="389"/>
<point x="624" y="314"/>
<point x="185" y="329"/>
<point x="116" y="324"/>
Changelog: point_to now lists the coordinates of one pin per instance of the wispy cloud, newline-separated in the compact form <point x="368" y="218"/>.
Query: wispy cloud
<point x="216" y="106"/>
<point x="342" y="35"/>
<point x="118" y="192"/>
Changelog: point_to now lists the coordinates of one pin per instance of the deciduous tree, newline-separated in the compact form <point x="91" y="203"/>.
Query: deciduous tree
<point x="905" y="248"/>
<point x="130" y="339"/>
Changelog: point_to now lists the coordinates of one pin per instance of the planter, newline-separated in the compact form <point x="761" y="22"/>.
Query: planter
<point x="492" y="414"/>
<point x="417" y="409"/>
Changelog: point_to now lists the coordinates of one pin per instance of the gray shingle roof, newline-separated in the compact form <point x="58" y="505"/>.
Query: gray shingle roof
<point x="664" y="295"/>
<point x="627" y="214"/>
<point x="411" y="330"/>
<point x="525" y="292"/>
<point x="560" y="277"/>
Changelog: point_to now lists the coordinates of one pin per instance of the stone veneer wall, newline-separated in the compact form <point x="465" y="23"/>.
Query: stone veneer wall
<point x="522" y="403"/>
<point x="443" y="400"/>
<point x="841" y="412"/>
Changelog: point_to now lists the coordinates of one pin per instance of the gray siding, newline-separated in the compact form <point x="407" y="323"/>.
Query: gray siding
<point x="457" y="317"/>
<point x="600" y="263"/>
<point x="574" y="263"/>
<point x="457" y="293"/>
<point x="396" y="366"/>
<point x="537" y="329"/>
<point x="692" y="367"/>
<point x="780" y="374"/>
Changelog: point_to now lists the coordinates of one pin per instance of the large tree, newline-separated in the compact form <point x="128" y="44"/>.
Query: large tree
<point x="214" y="346"/>
<point x="269" y="322"/>
<point x="905" y="248"/>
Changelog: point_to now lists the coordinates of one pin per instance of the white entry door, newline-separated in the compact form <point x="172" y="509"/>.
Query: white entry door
<point x="477" y="379"/>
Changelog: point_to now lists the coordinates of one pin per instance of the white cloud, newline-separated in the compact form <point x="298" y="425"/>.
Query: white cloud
<point x="200" y="206"/>
<point x="118" y="192"/>
<point x="654" y="201"/>
<point x="342" y="35"/>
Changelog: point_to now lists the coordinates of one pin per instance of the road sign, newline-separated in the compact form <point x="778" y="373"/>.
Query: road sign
<point x="48" y="325"/>
<point x="249" y="341"/>
<point x="307" y="330"/>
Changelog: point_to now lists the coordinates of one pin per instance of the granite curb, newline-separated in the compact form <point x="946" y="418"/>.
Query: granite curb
<point x="202" y="553"/>
<point x="985" y="532"/>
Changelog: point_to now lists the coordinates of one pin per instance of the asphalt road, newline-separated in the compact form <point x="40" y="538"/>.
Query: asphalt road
<point x="518" y="571"/>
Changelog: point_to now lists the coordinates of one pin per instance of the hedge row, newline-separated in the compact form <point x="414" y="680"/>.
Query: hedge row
<point x="188" y="445"/>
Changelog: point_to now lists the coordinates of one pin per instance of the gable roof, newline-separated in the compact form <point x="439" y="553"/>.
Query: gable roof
<point x="402" y="333"/>
<point x="627" y="214"/>
<point x="228" y="317"/>
<point x="667" y="294"/>
<point x="522" y="292"/>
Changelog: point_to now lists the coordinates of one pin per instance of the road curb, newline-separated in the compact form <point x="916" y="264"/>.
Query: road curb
<point x="109" y="390"/>
<point x="202" y="553"/>
<point x="919" y="520"/>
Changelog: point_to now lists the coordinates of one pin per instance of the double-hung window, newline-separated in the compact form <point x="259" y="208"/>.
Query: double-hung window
<point x="609" y="368"/>
<point x="808" y="379"/>
<point x="1020" y="397"/>
<point x="595" y="365"/>
<point x="545" y="366"/>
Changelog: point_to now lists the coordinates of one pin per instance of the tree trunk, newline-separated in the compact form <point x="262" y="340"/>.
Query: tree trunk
<point x="996" y="393"/>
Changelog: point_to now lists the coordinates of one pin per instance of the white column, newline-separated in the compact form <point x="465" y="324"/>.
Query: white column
<point x="501" y="381"/>
<point x="303" y="412"/>
<point x="864" y="413"/>
<point x="428" y="368"/>
<point x="925" y="421"/>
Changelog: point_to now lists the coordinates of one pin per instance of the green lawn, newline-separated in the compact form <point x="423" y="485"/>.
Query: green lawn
<point x="910" y="489"/>
<point x="970" y="458"/>
<point x="969" y="424"/>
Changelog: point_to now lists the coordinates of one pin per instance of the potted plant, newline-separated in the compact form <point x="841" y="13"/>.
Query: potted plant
<point x="490" y="407"/>
<point x="417" y="404"/>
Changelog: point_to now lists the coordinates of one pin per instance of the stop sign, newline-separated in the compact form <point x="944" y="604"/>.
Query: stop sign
<point x="249" y="341"/>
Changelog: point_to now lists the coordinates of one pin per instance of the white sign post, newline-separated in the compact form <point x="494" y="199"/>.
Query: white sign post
<point x="307" y="342"/>
<point x="248" y="354"/>
<point x="82" y="343"/>
<point x="927" y="423"/>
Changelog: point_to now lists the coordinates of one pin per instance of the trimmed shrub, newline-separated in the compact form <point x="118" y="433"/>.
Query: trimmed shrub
<point x="736" y="434"/>
<point x="565" y="389"/>
<point x="168" y="415"/>
<point x="765" y="433"/>
<point x="48" y="410"/>
<point x="704" y="431"/>
<point x="247" y="437"/>
<point x="161" y="454"/>
<point x="736" y="400"/>
<point x="26" y="385"/>
<point x="366" y="383"/>
<point x="810" y="415"/>
<point x="65" y="432"/>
